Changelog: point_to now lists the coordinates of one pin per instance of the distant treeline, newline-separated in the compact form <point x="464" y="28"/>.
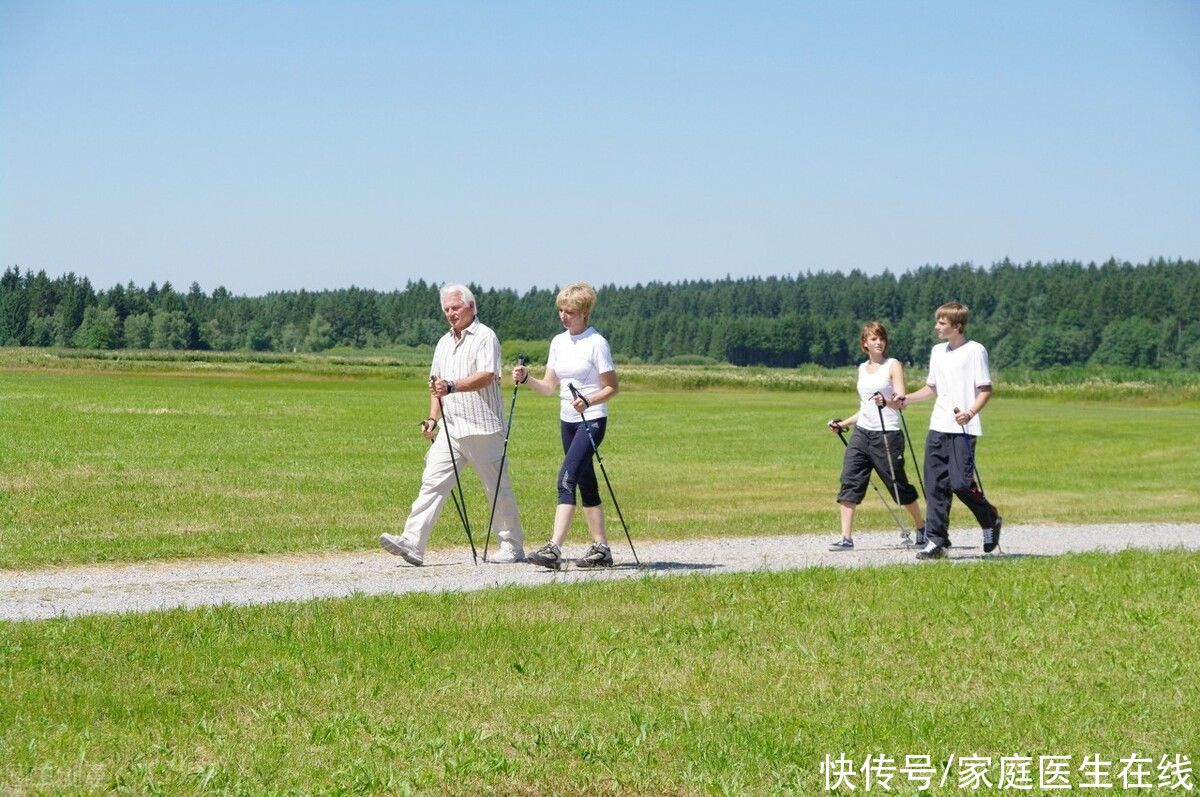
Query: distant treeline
<point x="1033" y="315"/>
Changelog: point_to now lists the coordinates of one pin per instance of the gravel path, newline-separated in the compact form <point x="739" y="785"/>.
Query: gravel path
<point x="107" y="589"/>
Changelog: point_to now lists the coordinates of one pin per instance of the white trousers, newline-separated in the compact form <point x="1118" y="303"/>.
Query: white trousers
<point x="482" y="452"/>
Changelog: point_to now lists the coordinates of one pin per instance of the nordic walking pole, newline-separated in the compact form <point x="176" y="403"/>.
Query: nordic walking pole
<point x="974" y="459"/>
<point x="453" y="495"/>
<point x="512" y="407"/>
<point x="913" y="449"/>
<point x="454" y="464"/>
<point x="458" y="508"/>
<point x="600" y="459"/>
<point x="887" y="450"/>
<point x="841" y="433"/>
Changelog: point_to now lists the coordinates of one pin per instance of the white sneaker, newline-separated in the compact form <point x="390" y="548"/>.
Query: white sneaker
<point x="507" y="554"/>
<point x="932" y="551"/>
<point x="402" y="548"/>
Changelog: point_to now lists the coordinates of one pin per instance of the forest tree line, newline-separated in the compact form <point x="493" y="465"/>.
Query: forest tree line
<point x="1034" y="315"/>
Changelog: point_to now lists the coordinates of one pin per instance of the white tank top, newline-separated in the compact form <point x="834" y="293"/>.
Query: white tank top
<point x="868" y="385"/>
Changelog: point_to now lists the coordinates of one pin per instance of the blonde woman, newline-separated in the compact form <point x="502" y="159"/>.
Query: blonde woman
<point x="580" y="358"/>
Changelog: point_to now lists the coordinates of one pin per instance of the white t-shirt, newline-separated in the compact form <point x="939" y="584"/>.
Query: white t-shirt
<point x="955" y="375"/>
<point x="868" y="385"/>
<point x="579" y="360"/>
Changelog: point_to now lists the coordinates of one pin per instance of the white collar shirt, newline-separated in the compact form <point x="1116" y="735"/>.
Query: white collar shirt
<point x="472" y="412"/>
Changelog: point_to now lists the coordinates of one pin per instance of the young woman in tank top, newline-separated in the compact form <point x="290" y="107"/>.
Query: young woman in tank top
<point x="883" y="376"/>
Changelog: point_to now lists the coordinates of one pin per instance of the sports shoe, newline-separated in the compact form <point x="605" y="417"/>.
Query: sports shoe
<point x="402" y="548"/>
<point x="991" y="537"/>
<point x="921" y="540"/>
<point x="931" y="551"/>
<point x="507" y="554"/>
<point x="844" y="544"/>
<point x="549" y="555"/>
<point x="599" y="555"/>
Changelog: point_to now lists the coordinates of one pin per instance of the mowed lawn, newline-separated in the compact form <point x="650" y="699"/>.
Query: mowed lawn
<point x="737" y="685"/>
<point x="721" y="684"/>
<point x="125" y="466"/>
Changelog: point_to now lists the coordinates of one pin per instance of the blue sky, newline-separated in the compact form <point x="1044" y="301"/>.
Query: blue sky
<point x="286" y="145"/>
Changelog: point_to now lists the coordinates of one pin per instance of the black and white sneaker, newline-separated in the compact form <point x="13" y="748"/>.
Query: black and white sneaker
<point x="599" y="555"/>
<point x="991" y="537"/>
<point x="844" y="544"/>
<point x="549" y="555"/>
<point x="931" y="551"/>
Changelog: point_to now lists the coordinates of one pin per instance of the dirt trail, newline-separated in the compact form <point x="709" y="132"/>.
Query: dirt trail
<point x="155" y="586"/>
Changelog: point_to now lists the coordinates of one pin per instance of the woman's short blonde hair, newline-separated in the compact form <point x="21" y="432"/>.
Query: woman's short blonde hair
<point x="578" y="297"/>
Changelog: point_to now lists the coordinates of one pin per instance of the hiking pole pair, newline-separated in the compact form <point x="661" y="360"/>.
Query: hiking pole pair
<point x="600" y="459"/>
<point x="460" y="502"/>
<point x="841" y="432"/>
<point x="512" y="407"/>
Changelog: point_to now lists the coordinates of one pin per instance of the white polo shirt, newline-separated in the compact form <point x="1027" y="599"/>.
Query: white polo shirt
<point x="579" y="360"/>
<point x="955" y="375"/>
<point x="475" y="411"/>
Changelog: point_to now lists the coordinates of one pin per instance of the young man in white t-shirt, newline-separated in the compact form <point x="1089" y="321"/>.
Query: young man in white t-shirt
<point x="960" y="381"/>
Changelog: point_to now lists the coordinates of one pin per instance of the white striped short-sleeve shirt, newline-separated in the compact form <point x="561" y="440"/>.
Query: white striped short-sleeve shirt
<point x="475" y="411"/>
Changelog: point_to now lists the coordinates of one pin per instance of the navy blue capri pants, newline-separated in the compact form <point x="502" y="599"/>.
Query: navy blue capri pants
<point x="577" y="470"/>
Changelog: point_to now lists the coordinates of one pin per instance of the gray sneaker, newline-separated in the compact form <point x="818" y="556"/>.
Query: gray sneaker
<point x="599" y="555"/>
<point x="921" y="541"/>
<point x="402" y="548"/>
<point x="844" y="544"/>
<point x="549" y="555"/>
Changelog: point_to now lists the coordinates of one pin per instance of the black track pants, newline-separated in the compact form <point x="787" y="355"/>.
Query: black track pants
<point x="950" y="471"/>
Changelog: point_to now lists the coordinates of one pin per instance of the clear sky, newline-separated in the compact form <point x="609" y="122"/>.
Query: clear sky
<point x="284" y="145"/>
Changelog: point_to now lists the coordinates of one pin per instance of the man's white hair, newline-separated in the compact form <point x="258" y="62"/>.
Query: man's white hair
<point x="463" y="290"/>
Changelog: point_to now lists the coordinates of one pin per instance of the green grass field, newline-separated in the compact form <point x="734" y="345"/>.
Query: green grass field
<point x="734" y="685"/>
<point x="694" y="685"/>
<point x="188" y="460"/>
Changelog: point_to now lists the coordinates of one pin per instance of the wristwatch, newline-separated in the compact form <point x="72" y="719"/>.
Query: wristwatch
<point x="449" y="386"/>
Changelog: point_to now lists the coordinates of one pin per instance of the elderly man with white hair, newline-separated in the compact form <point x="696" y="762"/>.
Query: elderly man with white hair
<point x="465" y="375"/>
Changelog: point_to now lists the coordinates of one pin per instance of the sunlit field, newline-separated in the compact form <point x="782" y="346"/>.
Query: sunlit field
<point x="695" y="685"/>
<point x="175" y="460"/>
<point x="736" y="684"/>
